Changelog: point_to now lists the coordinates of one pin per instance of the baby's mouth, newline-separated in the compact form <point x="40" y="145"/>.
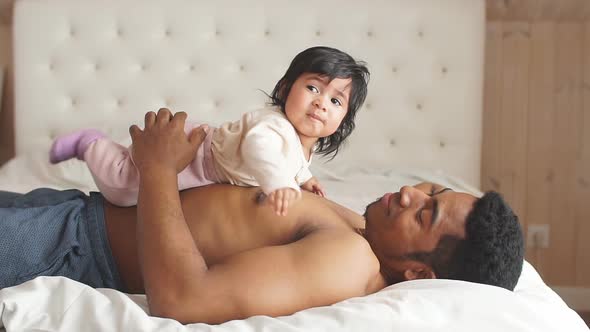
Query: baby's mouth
<point x="315" y="117"/>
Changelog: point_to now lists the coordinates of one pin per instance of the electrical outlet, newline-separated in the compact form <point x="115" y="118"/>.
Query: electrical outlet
<point x="537" y="236"/>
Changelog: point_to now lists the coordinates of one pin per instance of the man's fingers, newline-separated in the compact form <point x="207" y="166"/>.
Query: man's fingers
<point x="150" y="119"/>
<point x="181" y="116"/>
<point x="134" y="131"/>
<point x="164" y="116"/>
<point x="164" y="112"/>
<point x="197" y="135"/>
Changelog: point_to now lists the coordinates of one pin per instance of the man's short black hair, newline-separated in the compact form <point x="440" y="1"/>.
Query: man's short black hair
<point x="332" y="63"/>
<point x="492" y="252"/>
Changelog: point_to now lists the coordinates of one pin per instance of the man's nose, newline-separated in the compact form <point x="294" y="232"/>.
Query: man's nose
<point x="409" y="195"/>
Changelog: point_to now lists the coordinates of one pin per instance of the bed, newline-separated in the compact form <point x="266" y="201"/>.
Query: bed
<point x="84" y="63"/>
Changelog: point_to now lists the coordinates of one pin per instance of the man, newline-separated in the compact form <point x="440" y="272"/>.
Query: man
<point x="218" y="253"/>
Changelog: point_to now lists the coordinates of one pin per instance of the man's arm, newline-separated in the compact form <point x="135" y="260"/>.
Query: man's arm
<point x="277" y="280"/>
<point x="166" y="248"/>
<point x="318" y="270"/>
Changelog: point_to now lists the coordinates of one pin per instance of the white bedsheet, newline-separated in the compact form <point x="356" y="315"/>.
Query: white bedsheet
<point x="60" y="304"/>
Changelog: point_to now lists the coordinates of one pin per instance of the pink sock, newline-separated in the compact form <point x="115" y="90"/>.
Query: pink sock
<point x="73" y="145"/>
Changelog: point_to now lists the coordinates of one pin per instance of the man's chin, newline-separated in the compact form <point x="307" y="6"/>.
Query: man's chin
<point x="368" y="206"/>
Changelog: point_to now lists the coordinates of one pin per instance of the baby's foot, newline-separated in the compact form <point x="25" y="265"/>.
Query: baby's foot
<point x="73" y="145"/>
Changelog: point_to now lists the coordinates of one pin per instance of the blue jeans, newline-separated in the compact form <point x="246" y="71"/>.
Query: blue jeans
<point x="48" y="232"/>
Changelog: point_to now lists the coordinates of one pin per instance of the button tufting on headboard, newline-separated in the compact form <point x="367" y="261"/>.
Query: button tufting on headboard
<point x="84" y="63"/>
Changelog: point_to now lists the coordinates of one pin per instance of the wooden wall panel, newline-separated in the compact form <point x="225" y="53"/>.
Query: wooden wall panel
<point x="582" y="250"/>
<point x="515" y="90"/>
<point x="537" y="134"/>
<point x="540" y="133"/>
<point x="568" y="10"/>
<point x="6" y="12"/>
<point x="560" y="258"/>
<point x="548" y="9"/>
<point x="538" y="10"/>
<point x="6" y="106"/>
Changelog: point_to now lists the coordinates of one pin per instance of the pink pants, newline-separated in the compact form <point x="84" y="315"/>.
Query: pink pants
<point x="117" y="178"/>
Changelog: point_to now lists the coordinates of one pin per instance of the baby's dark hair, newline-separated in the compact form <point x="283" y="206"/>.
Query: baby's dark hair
<point x="332" y="63"/>
<point x="492" y="252"/>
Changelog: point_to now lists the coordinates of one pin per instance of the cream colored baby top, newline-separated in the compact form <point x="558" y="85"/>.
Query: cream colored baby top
<point x="261" y="149"/>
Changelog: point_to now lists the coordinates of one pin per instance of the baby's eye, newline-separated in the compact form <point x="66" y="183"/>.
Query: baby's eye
<point x="312" y="88"/>
<point x="336" y="102"/>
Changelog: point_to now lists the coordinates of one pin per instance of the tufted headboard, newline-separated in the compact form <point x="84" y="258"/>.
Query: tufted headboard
<point x="88" y="63"/>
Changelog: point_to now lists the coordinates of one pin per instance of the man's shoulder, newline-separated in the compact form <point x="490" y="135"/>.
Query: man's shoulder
<point x="346" y="259"/>
<point x="343" y="243"/>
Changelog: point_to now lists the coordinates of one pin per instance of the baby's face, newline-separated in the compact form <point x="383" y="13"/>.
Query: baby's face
<point x="316" y="106"/>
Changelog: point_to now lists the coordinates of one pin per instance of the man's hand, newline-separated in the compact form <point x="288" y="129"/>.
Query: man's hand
<point x="281" y="198"/>
<point x="314" y="186"/>
<point x="163" y="144"/>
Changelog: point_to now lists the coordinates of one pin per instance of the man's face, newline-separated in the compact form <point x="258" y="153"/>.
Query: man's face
<point x="414" y="220"/>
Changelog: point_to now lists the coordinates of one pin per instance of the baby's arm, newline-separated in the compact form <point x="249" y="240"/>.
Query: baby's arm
<point x="314" y="186"/>
<point x="264" y="153"/>
<point x="281" y="198"/>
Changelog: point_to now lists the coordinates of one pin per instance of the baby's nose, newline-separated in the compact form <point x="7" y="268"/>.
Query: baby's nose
<point x="319" y="102"/>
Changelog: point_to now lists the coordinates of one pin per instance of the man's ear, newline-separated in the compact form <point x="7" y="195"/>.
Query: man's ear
<point x="419" y="271"/>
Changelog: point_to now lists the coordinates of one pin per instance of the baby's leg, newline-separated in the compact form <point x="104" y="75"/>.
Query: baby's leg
<point x="200" y="172"/>
<point x="113" y="171"/>
<point x="117" y="177"/>
<point x="73" y="145"/>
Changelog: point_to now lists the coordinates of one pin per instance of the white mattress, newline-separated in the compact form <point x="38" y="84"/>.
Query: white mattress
<point x="60" y="304"/>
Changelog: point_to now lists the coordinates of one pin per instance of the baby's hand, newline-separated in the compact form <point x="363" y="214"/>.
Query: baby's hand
<point x="280" y="199"/>
<point x="314" y="186"/>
